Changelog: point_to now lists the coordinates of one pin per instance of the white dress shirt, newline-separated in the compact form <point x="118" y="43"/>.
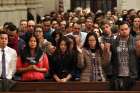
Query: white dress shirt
<point x="10" y="61"/>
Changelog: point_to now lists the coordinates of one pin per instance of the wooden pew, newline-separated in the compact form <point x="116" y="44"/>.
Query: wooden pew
<point x="80" y="92"/>
<point x="70" y="86"/>
<point x="53" y="86"/>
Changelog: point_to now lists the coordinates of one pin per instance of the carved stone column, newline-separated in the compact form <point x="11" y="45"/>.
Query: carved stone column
<point x="11" y="11"/>
<point x="21" y="9"/>
<point x="40" y="9"/>
<point x="128" y="4"/>
<point x="138" y="6"/>
<point x="49" y="6"/>
<point x="121" y="4"/>
<point x="67" y="4"/>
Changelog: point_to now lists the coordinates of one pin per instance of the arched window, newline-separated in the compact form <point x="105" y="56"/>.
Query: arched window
<point x="94" y="5"/>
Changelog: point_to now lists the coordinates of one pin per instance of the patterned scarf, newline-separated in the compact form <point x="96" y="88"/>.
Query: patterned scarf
<point x="97" y="71"/>
<point x="123" y="56"/>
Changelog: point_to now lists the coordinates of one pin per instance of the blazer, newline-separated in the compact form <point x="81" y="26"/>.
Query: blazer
<point x="114" y="63"/>
<point x="62" y="64"/>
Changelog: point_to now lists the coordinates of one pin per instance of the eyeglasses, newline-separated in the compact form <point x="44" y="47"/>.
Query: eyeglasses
<point x="96" y="31"/>
<point x="136" y="21"/>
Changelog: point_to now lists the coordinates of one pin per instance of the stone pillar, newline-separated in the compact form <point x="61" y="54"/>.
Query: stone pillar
<point x="49" y="6"/>
<point x="7" y="11"/>
<point x="128" y="4"/>
<point x="11" y="12"/>
<point x="132" y="4"/>
<point x="21" y="10"/>
<point x="67" y="4"/>
<point x="121" y="4"/>
<point x="60" y="6"/>
<point x="138" y="6"/>
<point x="40" y="9"/>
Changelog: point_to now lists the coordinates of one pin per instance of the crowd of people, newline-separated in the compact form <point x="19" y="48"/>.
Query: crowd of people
<point x="74" y="46"/>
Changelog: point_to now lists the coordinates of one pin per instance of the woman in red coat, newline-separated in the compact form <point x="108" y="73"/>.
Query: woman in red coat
<point x="33" y="63"/>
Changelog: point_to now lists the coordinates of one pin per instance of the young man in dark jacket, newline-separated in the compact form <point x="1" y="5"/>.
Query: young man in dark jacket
<point x="122" y="65"/>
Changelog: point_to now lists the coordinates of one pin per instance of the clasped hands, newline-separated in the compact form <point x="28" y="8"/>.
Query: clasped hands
<point x="33" y="67"/>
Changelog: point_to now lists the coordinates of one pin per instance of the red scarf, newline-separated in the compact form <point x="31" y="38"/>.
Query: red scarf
<point x="13" y="43"/>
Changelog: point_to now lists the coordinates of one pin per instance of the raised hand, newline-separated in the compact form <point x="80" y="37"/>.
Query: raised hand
<point x="137" y="46"/>
<point x="107" y="47"/>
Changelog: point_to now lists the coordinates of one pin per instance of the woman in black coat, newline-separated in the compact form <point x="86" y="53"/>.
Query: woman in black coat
<point x="63" y="61"/>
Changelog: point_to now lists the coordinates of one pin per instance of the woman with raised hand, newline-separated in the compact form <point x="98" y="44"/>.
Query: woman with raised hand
<point x="92" y="64"/>
<point x="43" y="43"/>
